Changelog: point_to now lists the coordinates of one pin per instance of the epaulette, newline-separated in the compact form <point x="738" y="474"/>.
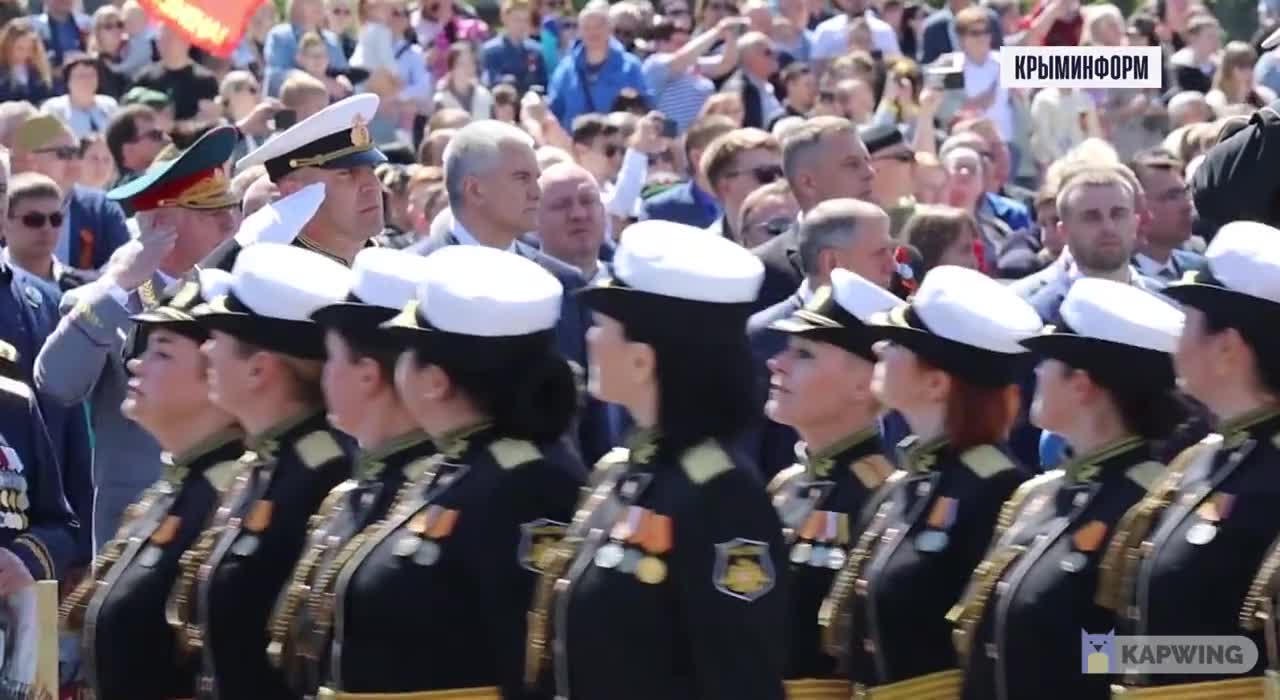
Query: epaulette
<point x="986" y="461"/>
<point x="16" y="387"/>
<point x="1009" y="511"/>
<point x="415" y="469"/>
<point x="8" y="353"/>
<point x="221" y="475"/>
<point x="781" y="478"/>
<point x="511" y="453"/>
<point x="1145" y="473"/>
<point x="612" y="458"/>
<point x="317" y="448"/>
<point x="704" y="462"/>
<point x="872" y="470"/>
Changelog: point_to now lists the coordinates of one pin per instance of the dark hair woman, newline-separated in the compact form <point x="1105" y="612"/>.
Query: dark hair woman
<point x="821" y="386"/>
<point x="359" y="390"/>
<point x="679" y="541"/>
<point x="459" y="558"/>
<point x="1199" y="550"/>
<point x="265" y="357"/>
<point x="119" y="611"/>
<point x="1105" y="383"/>
<point x="949" y="365"/>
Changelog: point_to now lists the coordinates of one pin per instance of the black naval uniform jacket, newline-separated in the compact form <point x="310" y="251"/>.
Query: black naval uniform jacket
<point x="1195" y="544"/>
<point x="130" y="652"/>
<point x="436" y="597"/>
<point x="294" y="467"/>
<point x="671" y="583"/>
<point x="36" y="522"/>
<point x="1018" y="628"/>
<point x="302" y="626"/>
<point x="821" y="501"/>
<point x="886" y="614"/>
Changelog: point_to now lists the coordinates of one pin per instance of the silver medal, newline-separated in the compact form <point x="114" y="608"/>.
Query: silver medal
<point x="406" y="545"/>
<point x="800" y="553"/>
<point x="836" y="559"/>
<point x="818" y="557"/>
<point x="245" y="546"/>
<point x="1202" y="533"/>
<point x="609" y="556"/>
<point x="428" y="553"/>
<point x="150" y="556"/>
<point x="1074" y="562"/>
<point x="931" y="541"/>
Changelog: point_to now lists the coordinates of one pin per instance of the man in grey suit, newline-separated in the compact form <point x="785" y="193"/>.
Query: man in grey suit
<point x="184" y="209"/>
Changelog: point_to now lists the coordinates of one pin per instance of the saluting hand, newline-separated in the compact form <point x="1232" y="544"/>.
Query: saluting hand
<point x="134" y="262"/>
<point x="14" y="576"/>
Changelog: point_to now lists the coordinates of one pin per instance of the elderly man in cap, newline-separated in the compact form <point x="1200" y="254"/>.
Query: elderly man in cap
<point x="93" y="227"/>
<point x="332" y="147"/>
<point x="184" y="210"/>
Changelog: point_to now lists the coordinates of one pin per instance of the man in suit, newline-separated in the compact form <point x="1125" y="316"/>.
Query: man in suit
<point x="822" y="159"/>
<point x="759" y="64"/>
<point x="93" y="227"/>
<point x="839" y="233"/>
<point x="1167" y="224"/>
<point x="184" y="210"/>
<point x="687" y="202"/>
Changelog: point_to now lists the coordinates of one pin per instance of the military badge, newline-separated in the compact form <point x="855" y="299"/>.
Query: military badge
<point x="360" y="137"/>
<point x="743" y="569"/>
<point x="537" y="537"/>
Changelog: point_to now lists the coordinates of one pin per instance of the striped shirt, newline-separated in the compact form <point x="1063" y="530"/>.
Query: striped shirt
<point x="679" y="97"/>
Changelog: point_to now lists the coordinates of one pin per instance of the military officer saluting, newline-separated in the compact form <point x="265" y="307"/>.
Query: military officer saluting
<point x="359" y="388"/>
<point x="1192" y="548"/>
<point x="431" y="601"/>
<point x="332" y="147"/>
<point x="949" y="365"/>
<point x="821" y="386"/>
<point x="672" y="580"/>
<point x="1105" y="383"/>
<point x="129" y="650"/>
<point x="264" y="368"/>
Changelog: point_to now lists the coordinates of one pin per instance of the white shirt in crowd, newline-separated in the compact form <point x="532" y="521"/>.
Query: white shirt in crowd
<point x="978" y="78"/>
<point x="831" y="38"/>
<point x="82" y="121"/>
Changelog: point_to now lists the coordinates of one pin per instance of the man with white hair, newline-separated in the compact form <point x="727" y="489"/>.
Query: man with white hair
<point x="758" y="63"/>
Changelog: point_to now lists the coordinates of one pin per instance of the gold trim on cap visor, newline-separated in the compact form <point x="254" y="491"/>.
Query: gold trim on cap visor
<point x="361" y="141"/>
<point x="212" y="192"/>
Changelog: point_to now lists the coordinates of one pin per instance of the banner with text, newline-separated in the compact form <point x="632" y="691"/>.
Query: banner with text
<point x="213" y="25"/>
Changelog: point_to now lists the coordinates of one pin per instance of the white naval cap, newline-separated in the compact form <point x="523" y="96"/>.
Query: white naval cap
<point x="839" y="313"/>
<point x="483" y="292"/>
<point x="964" y="322"/>
<point x="382" y="281"/>
<point x="282" y="220"/>
<point x="1240" y="284"/>
<point x="274" y="289"/>
<point x="335" y="137"/>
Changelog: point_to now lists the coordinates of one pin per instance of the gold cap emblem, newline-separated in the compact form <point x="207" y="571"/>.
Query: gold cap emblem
<point x="360" y="133"/>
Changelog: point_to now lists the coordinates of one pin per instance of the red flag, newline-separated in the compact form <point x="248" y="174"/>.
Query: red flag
<point x="214" y="25"/>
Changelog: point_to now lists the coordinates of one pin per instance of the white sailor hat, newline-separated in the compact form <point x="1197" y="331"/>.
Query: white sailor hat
<point x="335" y="137"/>
<point x="966" y="323"/>
<point x="1121" y="335"/>
<point x="280" y="221"/>
<point x="1240" y="284"/>
<point x="672" y="278"/>
<point x="382" y="281"/>
<point x="480" y="307"/>
<point x="273" y="291"/>
<point x="838" y="313"/>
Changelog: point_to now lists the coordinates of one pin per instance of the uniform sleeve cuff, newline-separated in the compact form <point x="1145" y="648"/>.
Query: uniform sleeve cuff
<point x="101" y="312"/>
<point x="35" y="556"/>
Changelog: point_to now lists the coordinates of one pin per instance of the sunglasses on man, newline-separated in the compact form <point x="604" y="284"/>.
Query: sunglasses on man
<point x="764" y="174"/>
<point x="36" y="219"/>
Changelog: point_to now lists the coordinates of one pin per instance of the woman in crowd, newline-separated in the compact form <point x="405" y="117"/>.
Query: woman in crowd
<point x="129" y="651"/>
<point x="1190" y="549"/>
<point x="434" y="597"/>
<point x="678" y="542"/>
<point x="25" y="73"/>
<point x="943" y="235"/>
<point x="359" y="388"/>
<point x="950" y="365"/>
<point x="340" y="18"/>
<point x="460" y="88"/>
<point x="249" y="54"/>
<point x="1105" y="383"/>
<point x="265" y="357"/>
<point x="821" y="386"/>
<point x="964" y="189"/>
<point x="97" y="167"/>
<point x="1233" y="82"/>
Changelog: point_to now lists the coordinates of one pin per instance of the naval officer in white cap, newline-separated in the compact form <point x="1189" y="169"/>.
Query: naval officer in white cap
<point x="334" y="147"/>
<point x="949" y="363"/>
<point x="1105" y="382"/>
<point x="1200" y="563"/>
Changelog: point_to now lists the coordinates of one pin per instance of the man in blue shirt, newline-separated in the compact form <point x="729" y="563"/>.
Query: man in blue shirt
<point x="595" y="72"/>
<point x="513" y="53"/>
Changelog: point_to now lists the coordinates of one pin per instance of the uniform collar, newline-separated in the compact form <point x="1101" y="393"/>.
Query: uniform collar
<point x="371" y="463"/>
<point x="453" y="443"/>
<point x="1240" y="428"/>
<point x="919" y="457"/>
<point x="267" y="442"/>
<point x="176" y="467"/>
<point x="1089" y="467"/>
<point x="642" y="445"/>
<point x="819" y="464"/>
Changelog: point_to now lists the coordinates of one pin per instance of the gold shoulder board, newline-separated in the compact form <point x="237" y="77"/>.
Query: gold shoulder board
<point x="705" y="462"/>
<point x="14" y="386"/>
<point x="872" y="471"/>
<point x="1009" y="511"/>
<point x="1145" y="474"/>
<point x="781" y="479"/>
<point x="986" y="461"/>
<point x="8" y="352"/>
<point x="317" y="448"/>
<point x="512" y="453"/>
<point x="220" y="476"/>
